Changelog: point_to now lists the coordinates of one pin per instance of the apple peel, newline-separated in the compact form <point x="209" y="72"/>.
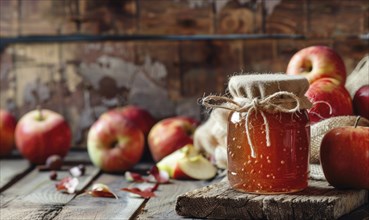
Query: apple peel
<point x="158" y="176"/>
<point x="133" y="177"/>
<point x="101" y="190"/>
<point x="145" y="193"/>
<point x="67" y="184"/>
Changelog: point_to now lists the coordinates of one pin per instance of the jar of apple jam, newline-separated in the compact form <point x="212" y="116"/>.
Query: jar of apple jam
<point x="268" y="138"/>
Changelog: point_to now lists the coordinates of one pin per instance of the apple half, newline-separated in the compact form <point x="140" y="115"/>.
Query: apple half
<point x="187" y="163"/>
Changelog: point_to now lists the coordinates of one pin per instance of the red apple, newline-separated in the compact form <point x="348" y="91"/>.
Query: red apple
<point x="329" y="99"/>
<point x="139" y="116"/>
<point x="344" y="156"/>
<point x="114" y="143"/>
<point x="361" y="101"/>
<point x="7" y="129"/>
<point x="42" y="133"/>
<point x="317" y="62"/>
<point x="187" y="163"/>
<point x="168" y="135"/>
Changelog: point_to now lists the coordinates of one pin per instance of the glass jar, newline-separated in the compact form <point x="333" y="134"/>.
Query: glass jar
<point x="282" y="167"/>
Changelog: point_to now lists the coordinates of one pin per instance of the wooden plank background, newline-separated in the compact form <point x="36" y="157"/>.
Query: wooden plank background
<point x="82" y="80"/>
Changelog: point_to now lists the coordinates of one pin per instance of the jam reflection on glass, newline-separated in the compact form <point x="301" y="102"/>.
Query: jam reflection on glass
<point x="281" y="167"/>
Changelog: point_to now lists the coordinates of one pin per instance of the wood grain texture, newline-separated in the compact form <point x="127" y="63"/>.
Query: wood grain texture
<point x="97" y="78"/>
<point x="337" y="18"/>
<point x="234" y="16"/>
<point x="8" y="81"/>
<point x="287" y="17"/>
<point x="197" y="68"/>
<point x="38" y="77"/>
<point x="11" y="169"/>
<point x="163" y="205"/>
<point x="259" y="56"/>
<point x="9" y="23"/>
<point x="156" y="85"/>
<point x="318" y="201"/>
<point x="35" y="195"/>
<point x="175" y="17"/>
<point x="46" y="17"/>
<point x="88" y="207"/>
<point x="351" y="51"/>
<point x="206" y="66"/>
<point x="108" y="17"/>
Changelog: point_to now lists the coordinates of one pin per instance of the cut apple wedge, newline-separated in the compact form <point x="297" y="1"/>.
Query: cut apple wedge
<point x="187" y="163"/>
<point x="197" y="167"/>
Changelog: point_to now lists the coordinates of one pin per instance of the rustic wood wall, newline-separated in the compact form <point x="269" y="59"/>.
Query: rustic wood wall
<point x="83" y="79"/>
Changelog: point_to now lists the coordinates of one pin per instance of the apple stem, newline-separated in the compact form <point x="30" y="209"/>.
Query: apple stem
<point x="357" y="121"/>
<point x="40" y="116"/>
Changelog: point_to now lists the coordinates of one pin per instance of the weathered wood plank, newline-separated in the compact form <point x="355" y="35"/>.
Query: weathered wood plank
<point x="234" y="16"/>
<point x="9" y="24"/>
<point x="108" y="17"/>
<point x="175" y="17"/>
<point x="76" y="157"/>
<point x="318" y="201"/>
<point x="337" y="18"/>
<point x="206" y="66"/>
<point x="46" y="17"/>
<point x="7" y="81"/>
<point x="259" y="56"/>
<point x="11" y="169"/>
<point x="35" y="195"/>
<point x="351" y="51"/>
<point x="97" y="77"/>
<point x="156" y="84"/>
<point x="197" y="68"/>
<point x="285" y="17"/>
<point x="163" y="205"/>
<point x="88" y="207"/>
<point x="229" y="60"/>
<point x="38" y="77"/>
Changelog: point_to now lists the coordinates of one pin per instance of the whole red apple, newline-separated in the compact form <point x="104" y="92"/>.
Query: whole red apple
<point x="361" y="101"/>
<point x="344" y="156"/>
<point x="42" y="133"/>
<point x="7" y="129"/>
<point x="114" y="143"/>
<point x="329" y="99"/>
<point x="139" y="116"/>
<point x="170" y="134"/>
<point x="316" y="62"/>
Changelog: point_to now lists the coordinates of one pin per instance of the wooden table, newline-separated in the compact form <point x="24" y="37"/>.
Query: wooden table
<point x="27" y="193"/>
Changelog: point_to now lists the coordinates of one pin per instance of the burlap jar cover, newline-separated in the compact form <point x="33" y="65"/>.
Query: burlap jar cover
<point x="255" y="92"/>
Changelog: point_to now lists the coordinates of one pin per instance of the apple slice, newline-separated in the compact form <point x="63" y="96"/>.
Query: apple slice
<point x="187" y="163"/>
<point x="197" y="167"/>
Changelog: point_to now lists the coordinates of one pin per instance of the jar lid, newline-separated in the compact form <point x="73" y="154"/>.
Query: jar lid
<point x="263" y="85"/>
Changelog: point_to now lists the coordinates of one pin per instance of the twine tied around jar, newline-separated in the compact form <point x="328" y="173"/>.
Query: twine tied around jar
<point x="276" y="102"/>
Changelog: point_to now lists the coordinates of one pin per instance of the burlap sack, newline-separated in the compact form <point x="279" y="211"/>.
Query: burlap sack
<point x="359" y="76"/>
<point x="318" y="130"/>
<point x="211" y="137"/>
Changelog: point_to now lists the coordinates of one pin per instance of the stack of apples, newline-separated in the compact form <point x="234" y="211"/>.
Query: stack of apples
<point x="171" y="145"/>
<point x="344" y="151"/>
<point x="116" y="142"/>
<point x="326" y="73"/>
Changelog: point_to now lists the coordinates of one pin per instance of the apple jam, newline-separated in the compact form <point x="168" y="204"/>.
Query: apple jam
<point x="281" y="167"/>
